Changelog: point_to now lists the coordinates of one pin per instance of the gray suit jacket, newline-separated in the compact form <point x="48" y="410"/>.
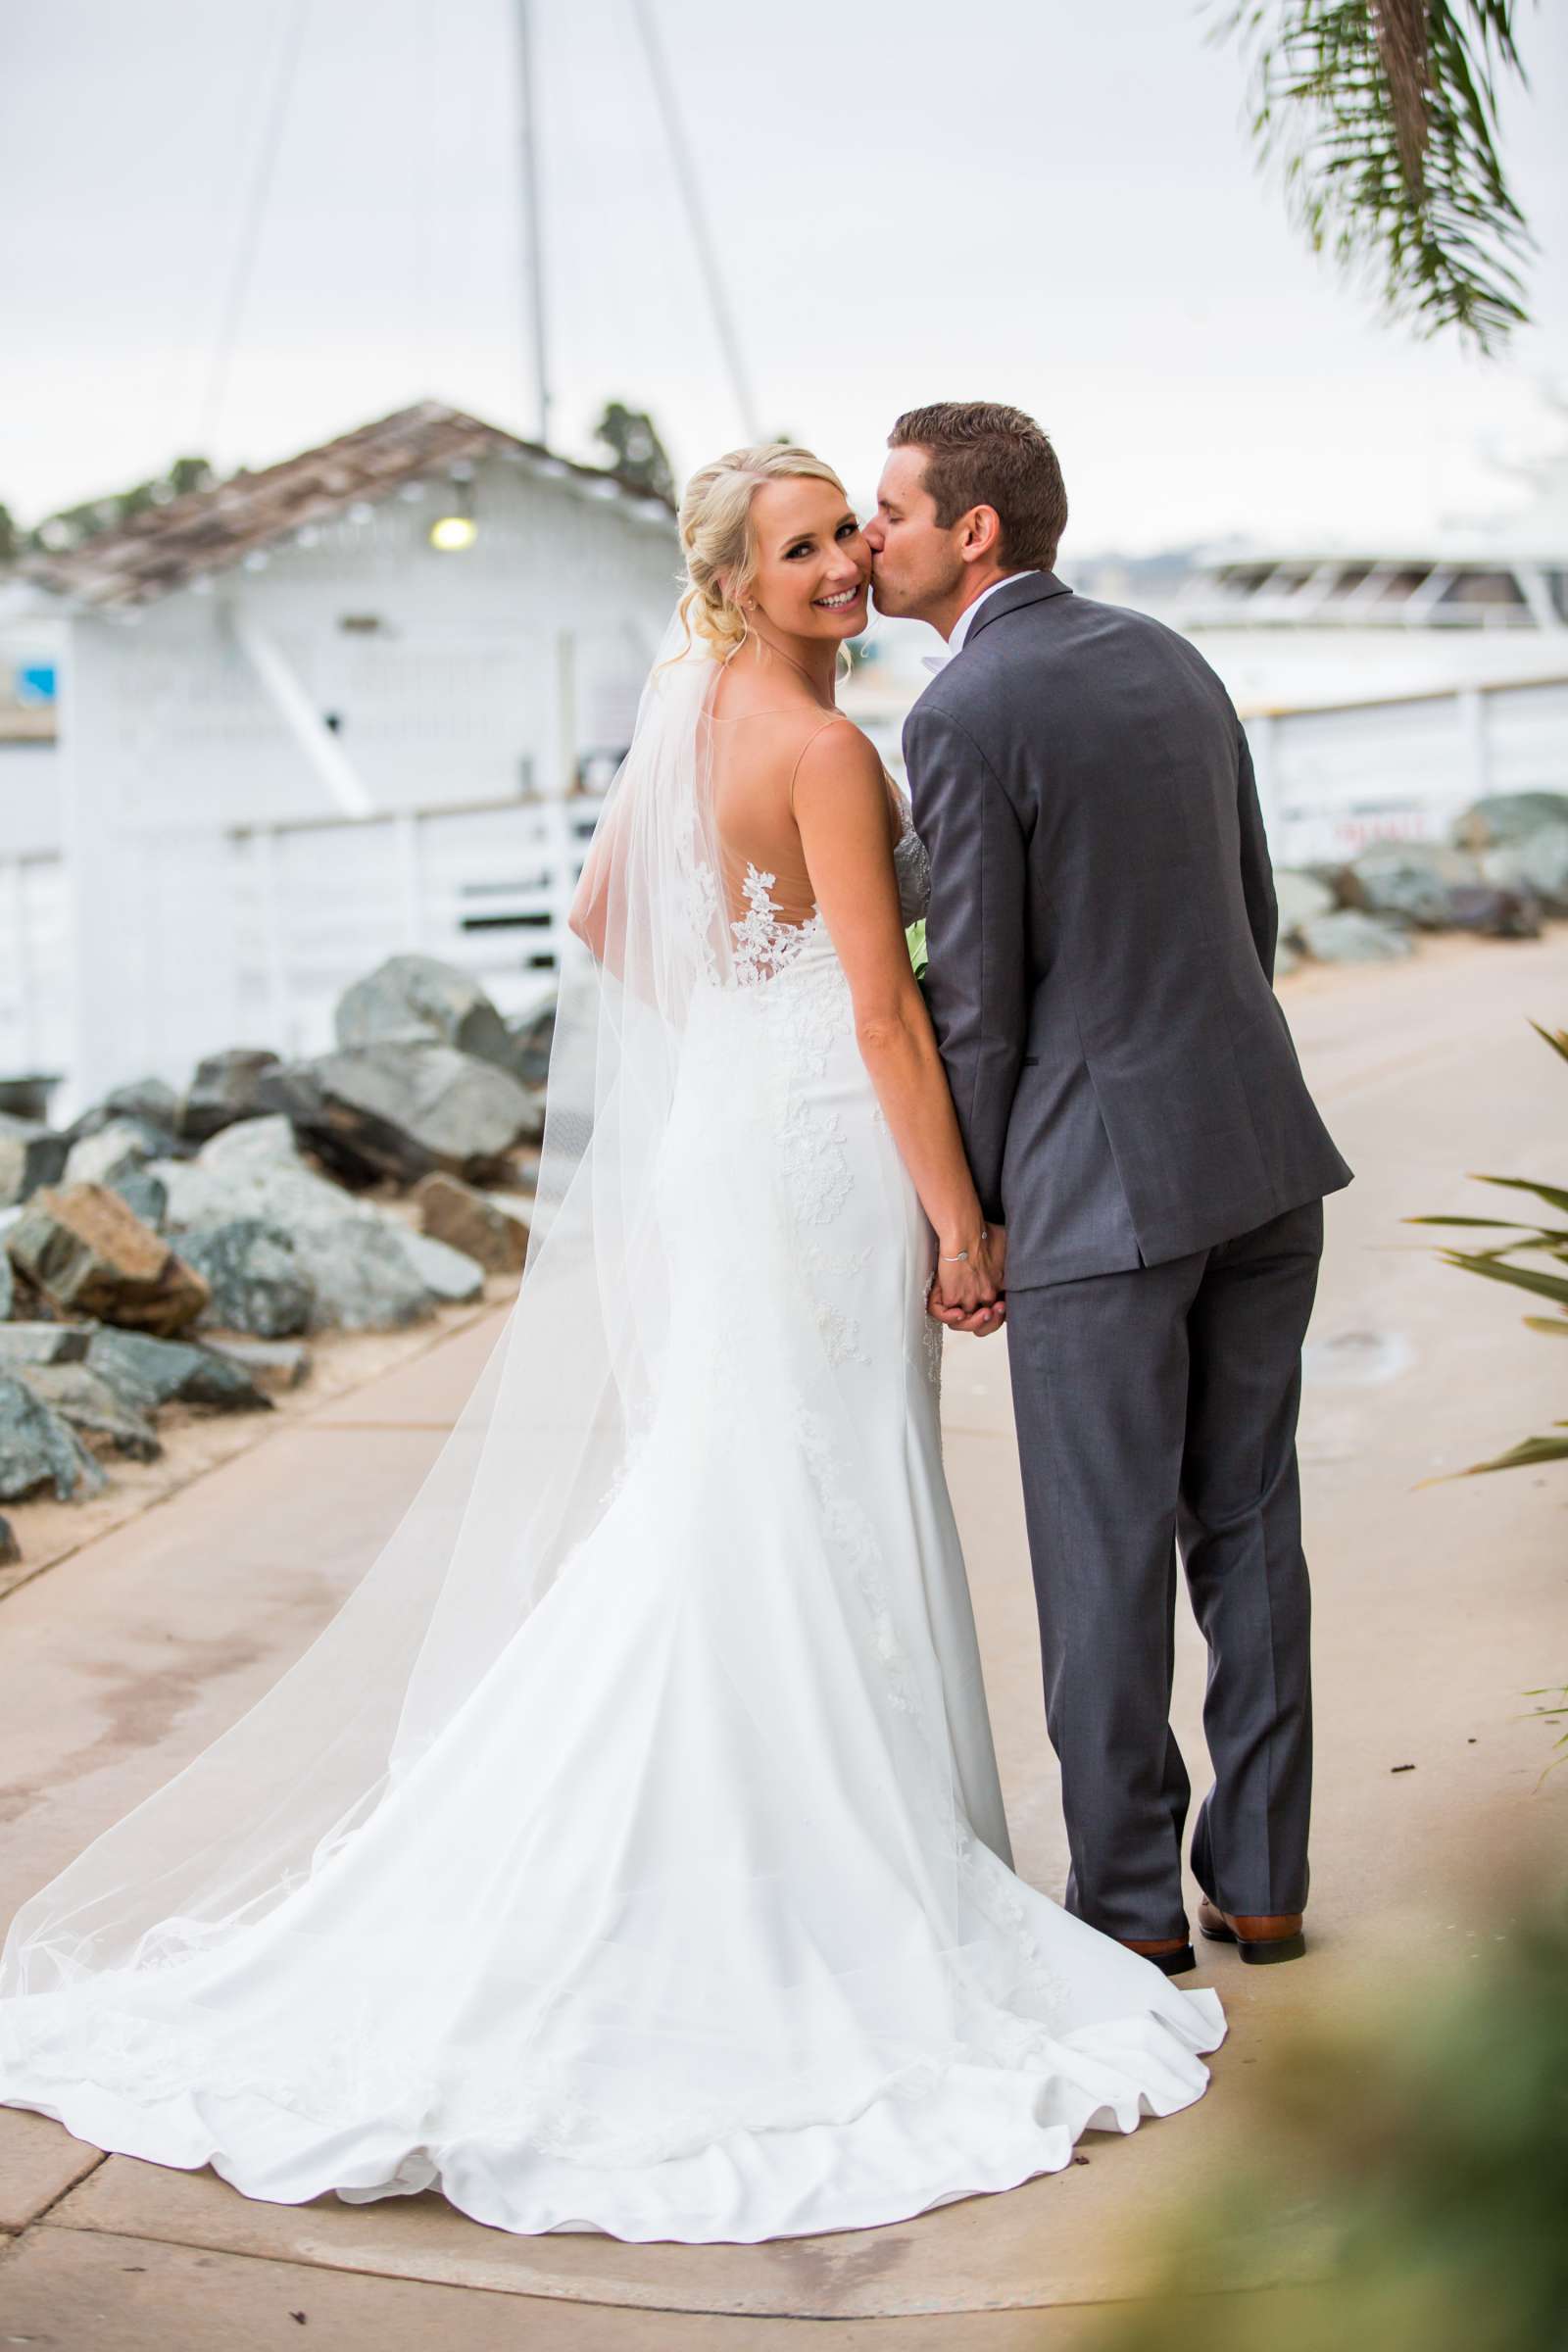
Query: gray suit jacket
<point x="1101" y="941"/>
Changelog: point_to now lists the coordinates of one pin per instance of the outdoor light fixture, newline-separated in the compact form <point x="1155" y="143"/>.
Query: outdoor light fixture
<point x="456" y="528"/>
<point x="451" y="532"/>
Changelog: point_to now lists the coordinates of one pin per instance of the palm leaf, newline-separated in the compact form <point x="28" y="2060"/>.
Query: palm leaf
<point x="1384" y="119"/>
<point x="1524" y="1456"/>
<point x="1556" y="1039"/>
<point x="1545" y="1286"/>
<point x="1538" y="1237"/>
<point x="1552" y="1194"/>
<point x="1555" y="1326"/>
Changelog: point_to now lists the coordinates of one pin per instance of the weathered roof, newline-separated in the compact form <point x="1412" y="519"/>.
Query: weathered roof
<point x="209" y="530"/>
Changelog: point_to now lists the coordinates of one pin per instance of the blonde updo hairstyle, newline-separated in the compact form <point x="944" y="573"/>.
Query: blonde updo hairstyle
<point x="715" y="533"/>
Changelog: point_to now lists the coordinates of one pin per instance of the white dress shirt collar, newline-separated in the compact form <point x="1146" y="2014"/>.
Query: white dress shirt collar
<point x="965" y="620"/>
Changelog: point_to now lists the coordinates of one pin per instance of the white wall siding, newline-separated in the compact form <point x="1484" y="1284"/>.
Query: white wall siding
<point x="483" y="677"/>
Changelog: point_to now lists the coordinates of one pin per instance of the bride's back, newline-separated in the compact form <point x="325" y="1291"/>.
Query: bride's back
<point x="758" y="734"/>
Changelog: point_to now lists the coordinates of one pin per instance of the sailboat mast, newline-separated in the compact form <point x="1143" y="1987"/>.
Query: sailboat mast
<point x="532" y="232"/>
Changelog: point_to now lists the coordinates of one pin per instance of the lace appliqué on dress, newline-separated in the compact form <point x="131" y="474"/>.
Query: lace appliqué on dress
<point x="701" y="908"/>
<point x="763" y="945"/>
<point x="814" y="1162"/>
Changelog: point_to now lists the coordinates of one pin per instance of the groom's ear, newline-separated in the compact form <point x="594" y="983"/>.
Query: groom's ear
<point x="982" y="535"/>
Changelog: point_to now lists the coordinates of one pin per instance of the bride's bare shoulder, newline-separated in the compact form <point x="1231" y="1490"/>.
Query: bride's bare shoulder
<point x="838" y="756"/>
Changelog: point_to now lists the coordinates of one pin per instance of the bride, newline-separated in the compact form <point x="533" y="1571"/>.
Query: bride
<point x="627" y="1854"/>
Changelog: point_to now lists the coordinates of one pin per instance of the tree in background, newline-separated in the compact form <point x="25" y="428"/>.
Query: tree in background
<point x="1385" y="116"/>
<point x="636" y="451"/>
<point x="72" y="526"/>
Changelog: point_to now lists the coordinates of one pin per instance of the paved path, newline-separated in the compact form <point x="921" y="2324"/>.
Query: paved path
<point x="1434" y="1610"/>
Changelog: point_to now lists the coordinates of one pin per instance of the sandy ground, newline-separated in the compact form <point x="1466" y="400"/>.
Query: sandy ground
<point x="1435" y="1607"/>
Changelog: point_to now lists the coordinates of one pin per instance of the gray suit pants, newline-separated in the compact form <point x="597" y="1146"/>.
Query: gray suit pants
<point x="1154" y="1406"/>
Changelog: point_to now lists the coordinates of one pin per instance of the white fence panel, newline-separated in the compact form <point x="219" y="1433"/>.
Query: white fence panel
<point x="35" y="966"/>
<point x="316" y="906"/>
<point x="1336" y="779"/>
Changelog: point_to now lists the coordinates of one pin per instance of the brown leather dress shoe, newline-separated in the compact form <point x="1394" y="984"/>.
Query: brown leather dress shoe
<point x="1258" y="1936"/>
<point x="1172" y="1953"/>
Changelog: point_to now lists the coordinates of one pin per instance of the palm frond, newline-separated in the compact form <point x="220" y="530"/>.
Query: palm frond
<point x="1382" y="117"/>
<point x="1552" y="1194"/>
<point x="1526" y="1455"/>
<point x="1545" y="1286"/>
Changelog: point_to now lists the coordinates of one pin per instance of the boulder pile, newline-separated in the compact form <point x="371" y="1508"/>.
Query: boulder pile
<point x="186" y="1247"/>
<point x="1502" y="874"/>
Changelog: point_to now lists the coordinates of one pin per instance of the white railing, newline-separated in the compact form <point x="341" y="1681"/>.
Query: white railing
<point x="485" y="885"/>
<point x="250" y="935"/>
<point x="35" y="963"/>
<point x="1335" y="778"/>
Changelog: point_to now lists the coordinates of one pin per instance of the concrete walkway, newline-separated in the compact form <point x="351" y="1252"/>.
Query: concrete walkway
<point x="1434" y="1611"/>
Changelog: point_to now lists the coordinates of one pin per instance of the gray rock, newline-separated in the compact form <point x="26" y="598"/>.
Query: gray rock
<point x="475" y="1222"/>
<point x="411" y="1108"/>
<point x="10" y="1548"/>
<point x="1539" y="864"/>
<point x="222" y="1089"/>
<point x="30" y="1155"/>
<point x="363" y="1277"/>
<point x="257" y="1282"/>
<point x="448" y="1272"/>
<point x="268" y="1141"/>
<point x="8" y="1288"/>
<point x="117" y="1148"/>
<point x="1349" y="937"/>
<point x="37" y="1448"/>
<point x="413" y="997"/>
<point x="293" y="1091"/>
<point x="1301" y="899"/>
<point x="1509" y="816"/>
<point x="271" y="1364"/>
<point x="352" y="1256"/>
<point x="43" y="1343"/>
<point x="147" y="1372"/>
<point x="149" y="1104"/>
<point x="531" y="1038"/>
<point x="144" y="1196"/>
<point x="1412" y="879"/>
<point x="92" y="1256"/>
<point x="84" y="1399"/>
<point x="1287" y="960"/>
<point x="253" y="1169"/>
<point x="1494" y="913"/>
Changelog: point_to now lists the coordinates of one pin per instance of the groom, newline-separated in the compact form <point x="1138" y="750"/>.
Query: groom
<point x="1102" y="938"/>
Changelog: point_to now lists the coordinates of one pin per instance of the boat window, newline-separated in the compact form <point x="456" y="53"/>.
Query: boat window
<point x="1483" y="588"/>
<point x="1349" y="579"/>
<point x="1403" y="584"/>
<point x="1242" y="579"/>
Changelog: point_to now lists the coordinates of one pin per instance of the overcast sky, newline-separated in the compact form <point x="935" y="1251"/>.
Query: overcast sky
<point x="1030" y="200"/>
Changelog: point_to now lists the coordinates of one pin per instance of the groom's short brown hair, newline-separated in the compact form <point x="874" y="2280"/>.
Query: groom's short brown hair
<point x="981" y="453"/>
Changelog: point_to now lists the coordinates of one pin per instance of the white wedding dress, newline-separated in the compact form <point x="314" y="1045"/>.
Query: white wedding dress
<point x="695" y="1919"/>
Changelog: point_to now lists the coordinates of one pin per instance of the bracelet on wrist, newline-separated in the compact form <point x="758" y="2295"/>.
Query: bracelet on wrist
<point x="961" y="1256"/>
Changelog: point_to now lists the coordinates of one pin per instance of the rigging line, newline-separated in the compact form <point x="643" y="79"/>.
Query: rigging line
<point x="251" y="229"/>
<point x="697" y="217"/>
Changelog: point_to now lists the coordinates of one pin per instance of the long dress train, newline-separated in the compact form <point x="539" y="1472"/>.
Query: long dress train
<point x="697" y="1919"/>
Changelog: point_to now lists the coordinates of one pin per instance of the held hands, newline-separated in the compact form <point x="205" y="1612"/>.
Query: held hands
<point x="970" y="1295"/>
